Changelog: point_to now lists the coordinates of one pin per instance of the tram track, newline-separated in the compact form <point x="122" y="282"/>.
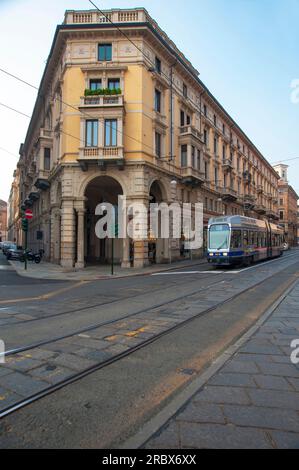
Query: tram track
<point x="89" y="307"/>
<point x="117" y="357"/>
<point x="106" y="323"/>
<point x="111" y="302"/>
<point x="115" y="320"/>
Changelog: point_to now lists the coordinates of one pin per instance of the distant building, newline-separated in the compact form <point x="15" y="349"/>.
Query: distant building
<point x="14" y="231"/>
<point x="3" y="221"/>
<point x="287" y="205"/>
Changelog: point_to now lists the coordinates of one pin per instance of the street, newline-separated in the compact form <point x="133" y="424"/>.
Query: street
<point x="90" y="364"/>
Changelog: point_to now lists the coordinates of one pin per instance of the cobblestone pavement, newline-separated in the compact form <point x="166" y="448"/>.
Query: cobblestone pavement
<point x="34" y="370"/>
<point x="252" y="401"/>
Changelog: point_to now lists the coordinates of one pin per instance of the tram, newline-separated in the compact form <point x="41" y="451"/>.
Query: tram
<point x="238" y="240"/>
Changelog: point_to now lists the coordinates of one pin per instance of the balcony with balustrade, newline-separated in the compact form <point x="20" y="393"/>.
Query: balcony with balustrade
<point x="259" y="189"/>
<point x="101" y="155"/>
<point x="272" y="215"/>
<point x="249" y="201"/>
<point x="119" y="17"/>
<point x="101" y="101"/>
<point x="260" y="209"/>
<point x="192" y="177"/>
<point x="188" y="133"/>
<point x="227" y="194"/>
<point x="46" y="134"/>
<point x="227" y="164"/>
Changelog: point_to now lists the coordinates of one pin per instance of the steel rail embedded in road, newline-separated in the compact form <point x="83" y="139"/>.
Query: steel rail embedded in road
<point x="89" y="307"/>
<point x="111" y="322"/>
<point x="111" y="302"/>
<point x="98" y="325"/>
<point x="100" y="365"/>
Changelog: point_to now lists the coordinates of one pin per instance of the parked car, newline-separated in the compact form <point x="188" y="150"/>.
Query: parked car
<point x="15" y="253"/>
<point x="8" y="245"/>
<point x="2" y="245"/>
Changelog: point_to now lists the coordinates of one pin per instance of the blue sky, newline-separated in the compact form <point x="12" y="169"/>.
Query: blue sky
<point x="246" y="51"/>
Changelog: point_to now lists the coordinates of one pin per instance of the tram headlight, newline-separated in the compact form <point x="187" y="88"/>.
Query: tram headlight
<point x="224" y="254"/>
<point x="211" y="254"/>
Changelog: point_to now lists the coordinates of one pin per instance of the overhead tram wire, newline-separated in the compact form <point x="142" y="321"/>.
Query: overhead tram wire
<point x="42" y="95"/>
<point x="286" y="160"/>
<point x="15" y="110"/>
<point x="84" y="113"/>
<point x="9" y="152"/>
<point x="29" y="117"/>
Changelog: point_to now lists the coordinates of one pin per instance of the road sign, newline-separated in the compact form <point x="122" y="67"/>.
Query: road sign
<point x="28" y="214"/>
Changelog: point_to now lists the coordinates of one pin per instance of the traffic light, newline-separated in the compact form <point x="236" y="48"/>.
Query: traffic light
<point x="25" y="225"/>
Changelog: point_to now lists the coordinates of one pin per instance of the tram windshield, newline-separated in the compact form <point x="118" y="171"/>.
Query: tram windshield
<point x="219" y="237"/>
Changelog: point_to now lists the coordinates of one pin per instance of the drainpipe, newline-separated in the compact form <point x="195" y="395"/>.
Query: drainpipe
<point x="171" y="110"/>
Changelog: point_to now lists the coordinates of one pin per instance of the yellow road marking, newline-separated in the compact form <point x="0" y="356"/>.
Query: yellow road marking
<point x="110" y="338"/>
<point x="135" y="332"/>
<point x="44" y="296"/>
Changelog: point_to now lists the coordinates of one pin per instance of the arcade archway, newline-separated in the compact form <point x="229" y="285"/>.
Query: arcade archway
<point x="100" y="189"/>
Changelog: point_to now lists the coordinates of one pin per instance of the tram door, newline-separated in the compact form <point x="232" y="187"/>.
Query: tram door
<point x="269" y="236"/>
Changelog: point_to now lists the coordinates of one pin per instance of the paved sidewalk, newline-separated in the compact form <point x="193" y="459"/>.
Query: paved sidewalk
<point x="46" y="270"/>
<point x="252" y="401"/>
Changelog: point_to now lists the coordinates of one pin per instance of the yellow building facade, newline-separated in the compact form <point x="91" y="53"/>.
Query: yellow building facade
<point x="121" y="111"/>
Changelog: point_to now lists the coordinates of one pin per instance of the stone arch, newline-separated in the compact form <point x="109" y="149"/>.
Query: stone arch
<point x="56" y="192"/>
<point x="97" y="189"/>
<point x="158" y="248"/>
<point x="88" y="179"/>
<point x="157" y="189"/>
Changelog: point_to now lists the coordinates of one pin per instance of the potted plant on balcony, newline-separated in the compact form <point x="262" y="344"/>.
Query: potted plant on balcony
<point x="102" y="91"/>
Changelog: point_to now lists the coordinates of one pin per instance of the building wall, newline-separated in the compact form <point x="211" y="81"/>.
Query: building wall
<point x="14" y="220"/>
<point x="288" y="211"/>
<point x="239" y="181"/>
<point x="3" y="221"/>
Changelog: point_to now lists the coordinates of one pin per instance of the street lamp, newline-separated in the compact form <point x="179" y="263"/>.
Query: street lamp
<point x="173" y="183"/>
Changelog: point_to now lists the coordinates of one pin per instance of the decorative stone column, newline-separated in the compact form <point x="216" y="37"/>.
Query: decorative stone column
<point x="126" y="253"/>
<point x="67" y="234"/>
<point x="140" y="254"/>
<point x="140" y="239"/>
<point x="80" y="264"/>
<point x="55" y="235"/>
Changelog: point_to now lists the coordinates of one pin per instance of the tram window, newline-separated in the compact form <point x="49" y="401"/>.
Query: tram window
<point x="259" y="240"/>
<point x="277" y="239"/>
<point x="245" y="237"/>
<point x="236" y="239"/>
<point x="251" y="238"/>
<point x="219" y="236"/>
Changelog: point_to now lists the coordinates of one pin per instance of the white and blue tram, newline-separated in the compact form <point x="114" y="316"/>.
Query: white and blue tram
<point x="239" y="240"/>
